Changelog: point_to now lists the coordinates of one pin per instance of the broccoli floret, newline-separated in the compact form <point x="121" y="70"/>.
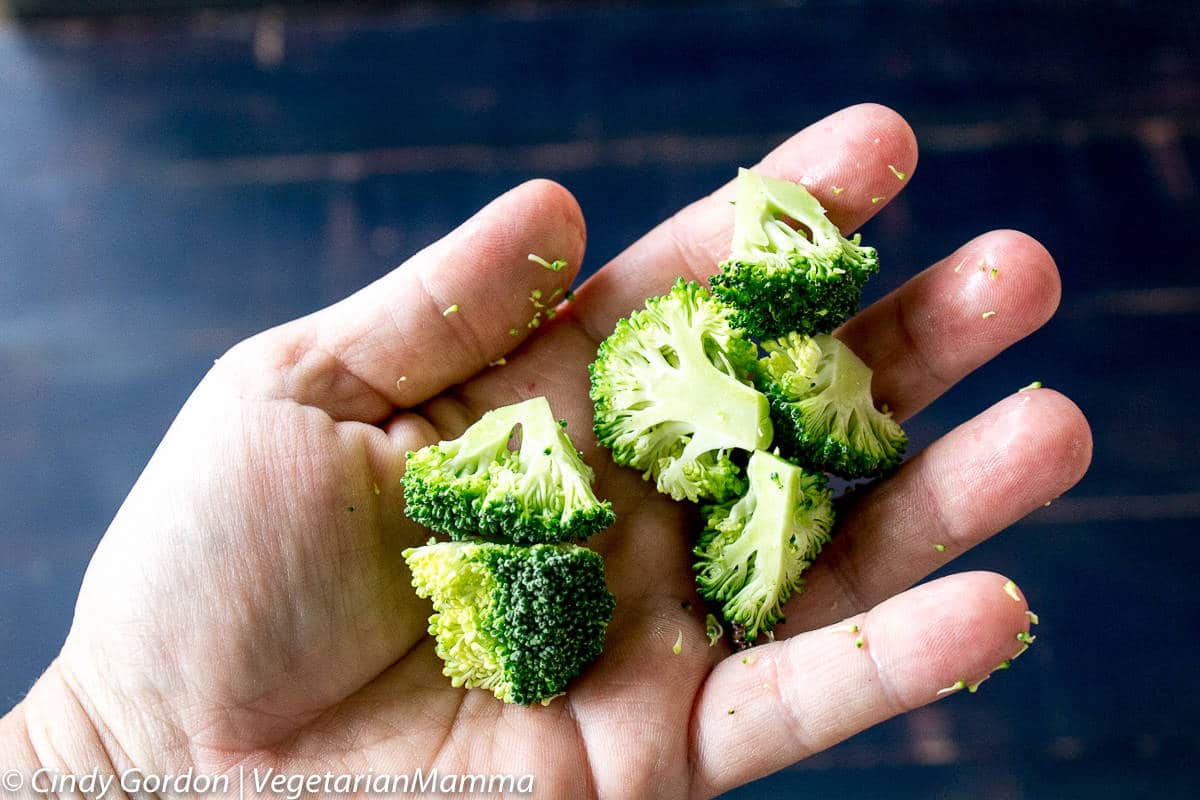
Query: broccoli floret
<point x="780" y="279"/>
<point x="672" y="398"/>
<point x="476" y="486"/>
<point x="519" y="621"/>
<point x="753" y="551"/>
<point x="825" y="419"/>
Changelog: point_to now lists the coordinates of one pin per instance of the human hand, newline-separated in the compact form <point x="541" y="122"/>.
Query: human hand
<point x="249" y="606"/>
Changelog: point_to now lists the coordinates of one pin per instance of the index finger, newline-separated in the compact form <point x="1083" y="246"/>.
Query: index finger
<point x="853" y="161"/>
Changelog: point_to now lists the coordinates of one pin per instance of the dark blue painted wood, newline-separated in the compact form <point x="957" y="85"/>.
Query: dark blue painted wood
<point x="163" y="193"/>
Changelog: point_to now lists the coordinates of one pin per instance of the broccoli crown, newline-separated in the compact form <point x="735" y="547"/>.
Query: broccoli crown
<point x="519" y="621"/>
<point x="753" y="551"/>
<point x="821" y="405"/>
<point x="672" y="395"/>
<point x="778" y="278"/>
<point x="476" y="486"/>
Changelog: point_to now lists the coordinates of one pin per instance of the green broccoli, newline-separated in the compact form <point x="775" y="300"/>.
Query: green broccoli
<point x="520" y="621"/>
<point x="780" y="279"/>
<point x="753" y="551"/>
<point x="476" y="486"/>
<point x="672" y="395"/>
<point x="821" y="405"/>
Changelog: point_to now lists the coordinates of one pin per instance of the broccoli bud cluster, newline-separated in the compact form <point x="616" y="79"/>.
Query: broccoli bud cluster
<point x="518" y="609"/>
<point x="681" y="395"/>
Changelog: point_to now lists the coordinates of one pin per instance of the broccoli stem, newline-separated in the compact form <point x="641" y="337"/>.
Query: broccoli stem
<point x="761" y="201"/>
<point x="725" y="412"/>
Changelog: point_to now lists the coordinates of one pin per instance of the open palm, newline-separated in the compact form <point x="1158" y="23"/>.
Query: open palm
<point x="249" y="605"/>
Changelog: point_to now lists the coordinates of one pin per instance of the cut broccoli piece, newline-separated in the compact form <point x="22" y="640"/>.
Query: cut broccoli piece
<point x="780" y="279"/>
<point x="753" y="551"/>
<point x="825" y="419"/>
<point x="519" y="621"/>
<point x="672" y="396"/>
<point x="476" y="486"/>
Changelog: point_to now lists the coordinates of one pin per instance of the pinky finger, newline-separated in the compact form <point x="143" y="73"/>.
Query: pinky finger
<point x="765" y="709"/>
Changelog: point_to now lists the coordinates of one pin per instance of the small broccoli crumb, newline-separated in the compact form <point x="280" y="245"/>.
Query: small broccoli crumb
<point x="551" y="313"/>
<point x="513" y="331"/>
<point x="1010" y="589"/>
<point x="941" y="548"/>
<point x="569" y="296"/>
<point x="961" y="264"/>
<point x="747" y="660"/>
<point x="562" y="423"/>
<point x="556" y="293"/>
<point x="957" y="686"/>
<point x="375" y="488"/>
<point x="1005" y="664"/>
<point x="899" y="175"/>
<point x="1047" y="503"/>
<point x="731" y="712"/>
<point x="875" y="200"/>
<point x="547" y="451"/>
<point x="974" y="687"/>
<point x="350" y="509"/>
<point x="775" y="479"/>
<point x="499" y="362"/>
<point x="838" y="190"/>
<point x="401" y="380"/>
<point x="859" y="643"/>
<point x="536" y="321"/>
<point x="678" y="648"/>
<point x="1031" y="387"/>
<point x="1026" y="638"/>
<point x="1033" y="618"/>
<point x="988" y="314"/>
<point x="713" y="629"/>
<point x="853" y="628"/>
<point x="992" y="273"/>
<point x="450" y="310"/>
<point x="553" y="266"/>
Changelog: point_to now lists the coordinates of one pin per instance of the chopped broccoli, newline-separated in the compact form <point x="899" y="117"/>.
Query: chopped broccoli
<point x="821" y="406"/>
<point x="476" y="486"/>
<point x="520" y="621"/>
<point x="780" y="279"/>
<point x="672" y="395"/>
<point x="753" y="551"/>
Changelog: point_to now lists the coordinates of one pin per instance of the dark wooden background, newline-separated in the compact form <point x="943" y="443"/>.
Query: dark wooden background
<point x="172" y="183"/>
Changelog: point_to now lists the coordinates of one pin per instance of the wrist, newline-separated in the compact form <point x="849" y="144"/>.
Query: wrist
<point x="50" y="733"/>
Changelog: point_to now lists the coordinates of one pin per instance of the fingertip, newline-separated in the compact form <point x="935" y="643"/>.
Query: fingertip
<point x="893" y="131"/>
<point x="971" y="623"/>
<point x="1039" y="276"/>
<point x="557" y="207"/>
<point x="1069" y="438"/>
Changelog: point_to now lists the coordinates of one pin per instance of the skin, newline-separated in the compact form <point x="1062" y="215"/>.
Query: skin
<point x="238" y="613"/>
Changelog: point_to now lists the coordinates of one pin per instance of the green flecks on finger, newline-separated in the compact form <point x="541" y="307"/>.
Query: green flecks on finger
<point x="554" y="266"/>
<point x="1010" y="589"/>
<point x="453" y="309"/>
<point x="678" y="648"/>
<point x="713" y="629"/>
<point x="957" y="686"/>
<point x="899" y="175"/>
<point x="941" y="548"/>
<point x="1031" y="387"/>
